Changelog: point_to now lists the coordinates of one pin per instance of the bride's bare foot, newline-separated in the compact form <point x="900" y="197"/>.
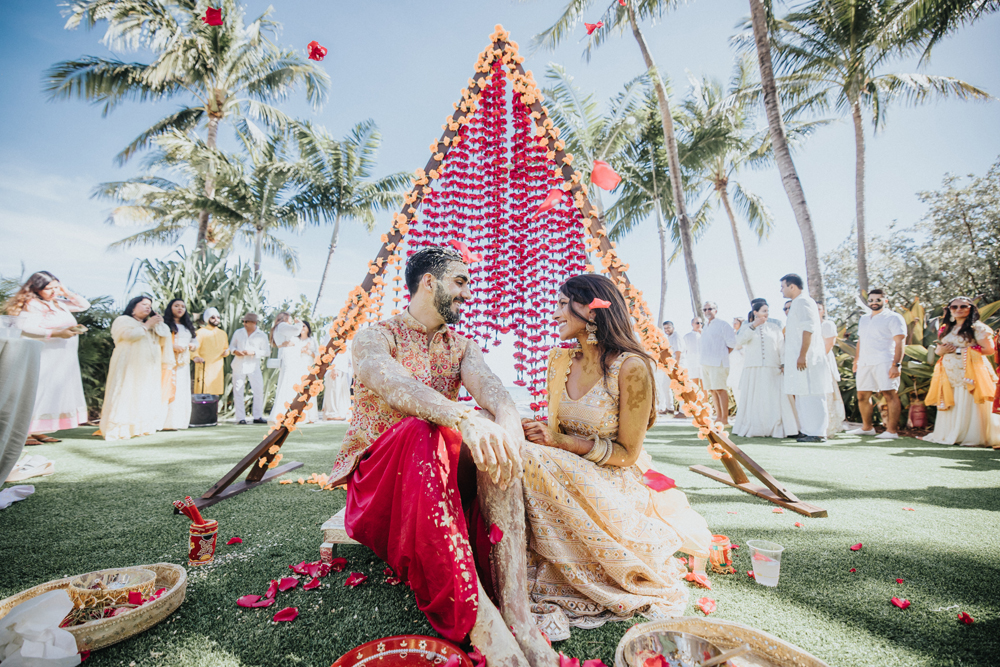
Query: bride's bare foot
<point x="534" y="646"/>
<point x="493" y="639"/>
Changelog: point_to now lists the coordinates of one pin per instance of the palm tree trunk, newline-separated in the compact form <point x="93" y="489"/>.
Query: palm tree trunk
<point x="329" y="259"/>
<point x="213" y="133"/>
<point x="782" y="156"/>
<point x="859" y="194"/>
<point x="676" y="182"/>
<point x="257" y="250"/>
<point x="723" y="189"/>
<point x="661" y="228"/>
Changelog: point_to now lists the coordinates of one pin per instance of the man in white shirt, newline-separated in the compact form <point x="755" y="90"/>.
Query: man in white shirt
<point x="717" y="340"/>
<point x="806" y="375"/>
<point x="877" y="363"/>
<point x="248" y="347"/>
<point x="692" y="358"/>
<point x="664" y="394"/>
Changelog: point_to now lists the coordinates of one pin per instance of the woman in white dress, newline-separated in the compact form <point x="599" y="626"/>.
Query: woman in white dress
<point x="964" y="381"/>
<point x="834" y="401"/>
<point x="132" y="395"/>
<point x="765" y="410"/>
<point x="177" y="366"/>
<point x="45" y="309"/>
<point x="291" y="338"/>
<point x="337" y="394"/>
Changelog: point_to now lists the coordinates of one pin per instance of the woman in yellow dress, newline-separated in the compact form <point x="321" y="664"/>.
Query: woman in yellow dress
<point x="602" y="544"/>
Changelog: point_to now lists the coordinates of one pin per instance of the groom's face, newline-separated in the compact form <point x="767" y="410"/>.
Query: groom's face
<point x="451" y="292"/>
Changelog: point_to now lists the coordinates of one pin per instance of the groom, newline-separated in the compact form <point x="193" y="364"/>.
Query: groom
<point x="414" y="459"/>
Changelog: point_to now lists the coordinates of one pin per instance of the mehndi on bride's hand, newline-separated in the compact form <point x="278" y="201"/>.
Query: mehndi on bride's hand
<point x="538" y="433"/>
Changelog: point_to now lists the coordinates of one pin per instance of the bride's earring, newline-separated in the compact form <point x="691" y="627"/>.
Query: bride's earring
<point x="592" y="333"/>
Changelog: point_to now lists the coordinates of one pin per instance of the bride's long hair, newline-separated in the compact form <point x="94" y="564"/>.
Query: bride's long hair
<point x="615" y="333"/>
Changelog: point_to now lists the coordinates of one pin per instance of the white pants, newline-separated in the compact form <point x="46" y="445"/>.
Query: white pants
<point x="814" y="419"/>
<point x="256" y="386"/>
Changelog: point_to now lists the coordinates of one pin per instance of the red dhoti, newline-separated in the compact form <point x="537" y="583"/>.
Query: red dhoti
<point x="404" y="504"/>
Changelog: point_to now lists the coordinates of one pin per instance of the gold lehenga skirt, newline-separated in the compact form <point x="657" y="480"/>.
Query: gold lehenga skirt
<point x="602" y="545"/>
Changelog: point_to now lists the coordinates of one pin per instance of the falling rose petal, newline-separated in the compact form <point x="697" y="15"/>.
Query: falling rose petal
<point x="313" y="583"/>
<point x="565" y="661"/>
<point x="135" y="597"/>
<point x="247" y="600"/>
<point x="300" y="568"/>
<point x="286" y="614"/>
<point x="495" y="534"/>
<point x="338" y="564"/>
<point x="656" y="661"/>
<point x="316" y="52"/>
<point x="965" y="618"/>
<point x="853" y="570"/>
<point x="778" y="510"/>
<point x="272" y="590"/>
<point x="287" y="583"/>
<point x="468" y="256"/>
<point x="856" y="547"/>
<point x="598" y="303"/>
<point x="657" y="481"/>
<point x="551" y="199"/>
<point x="706" y="605"/>
<point x="909" y="509"/>
<point x="591" y="27"/>
<point x="899" y="581"/>
<point x="356" y="579"/>
<point x="603" y="176"/>
<point x="212" y="16"/>
<point x="798" y="524"/>
<point x="265" y="602"/>
<point x="751" y="575"/>
<point x="621" y="2"/>
<point x="594" y="663"/>
<point x="902" y="604"/>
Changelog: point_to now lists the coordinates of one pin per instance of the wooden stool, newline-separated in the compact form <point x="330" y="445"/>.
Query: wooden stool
<point x="334" y="534"/>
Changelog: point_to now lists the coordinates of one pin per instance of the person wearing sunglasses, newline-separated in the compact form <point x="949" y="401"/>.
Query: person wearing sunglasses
<point x="877" y="364"/>
<point x="717" y="340"/>
<point x="964" y="382"/>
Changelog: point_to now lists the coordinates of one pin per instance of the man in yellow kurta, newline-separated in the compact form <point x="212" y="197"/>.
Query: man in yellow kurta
<point x="213" y="347"/>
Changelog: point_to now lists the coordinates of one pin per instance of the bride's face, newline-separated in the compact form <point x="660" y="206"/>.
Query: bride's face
<point x="570" y="326"/>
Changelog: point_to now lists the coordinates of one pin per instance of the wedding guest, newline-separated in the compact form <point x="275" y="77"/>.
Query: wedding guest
<point x="692" y="356"/>
<point x="297" y="351"/>
<point x="765" y="410"/>
<point x="176" y="361"/>
<point x="249" y="346"/>
<point x="807" y="377"/>
<point x="717" y="340"/>
<point x="674" y="338"/>
<point x="964" y="382"/>
<point x="834" y="401"/>
<point x="877" y="364"/>
<point x="45" y="309"/>
<point x="132" y="394"/>
<point x="337" y="394"/>
<point x="212" y="349"/>
<point x="736" y="361"/>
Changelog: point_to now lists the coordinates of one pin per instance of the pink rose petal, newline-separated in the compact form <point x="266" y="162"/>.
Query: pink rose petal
<point x="235" y="540"/>
<point x="852" y="570"/>
<point x="247" y="600"/>
<point x="287" y="583"/>
<point x="495" y="534"/>
<point x="750" y="574"/>
<point x="453" y="661"/>
<point x="778" y="510"/>
<point x="965" y="618"/>
<point x="706" y="605"/>
<point x="856" y="547"/>
<point x="312" y="569"/>
<point x="286" y="614"/>
<point x="798" y="524"/>
<point x="594" y="663"/>
<point x="656" y="661"/>
<point x="899" y="581"/>
<point x="299" y="568"/>
<point x="272" y="590"/>
<point x="657" y="481"/>
<point x="909" y="509"/>
<point x="313" y="583"/>
<point x="265" y="602"/>
<point x="568" y="662"/>
<point x="356" y="579"/>
<point x="338" y="564"/>
<point x="135" y="597"/>
<point x="902" y="604"/>
<point x="478" y="659"/>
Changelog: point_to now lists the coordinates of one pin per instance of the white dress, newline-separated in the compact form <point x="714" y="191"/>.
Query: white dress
<point x="294" y="363"/>
<point x="59" y="400"/>
<point x="132" y="403"/>
<point x="692" y="354"/>
<point x="966" y="423"/>
<point x="834" y="401"/>
<point x="766" y="410"/>
<point x="179" y="410"/>
<point x="337" y="394"/>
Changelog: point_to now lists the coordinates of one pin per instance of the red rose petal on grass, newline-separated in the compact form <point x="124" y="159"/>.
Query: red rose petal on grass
<point x="338" y="564"/>
<point x="778" y="510"/>
<point x="657" y="481"/>
<point x="568" y="662"/>
<point x="387" y="571"/>
<point x="495" y="534"/>
<point x="965" y="618"/>
<point x="393" y="581"/>
<point x="728" y="512"/>
<point x="235" y="540"/>
<point x="750" y="574"/>
<point x="596" y="662"/>
<point x="313" y="583"/>
<point x="734" y="546"/>
<point x="591" y="27"/>
<point x="798" y="524"/>
<point x="324" y="569"/>
<point x="286" y="614"/>
<point x="212" y="16"/>
<point x="356" y="579"/>
<point x="852" y="570"/>
<point x="313" y="569"/>
<point x="84" y="655"/>
<point x="299" y="568"/>
<point x="247" y="600"/>
<point x="135" y="597"/>
<point x="287" y="583"/>
<point x="265" y="602"/>
<point x="272" y="590"/>
<point x="909" y="509"/>
<point x="699" y="579"/>
<point x="856" y="547"/>
<point x="899" y="581"/>
<point x="707" y="605"/>
<point x="902" y="604"/>
<point x="656" y="661"/>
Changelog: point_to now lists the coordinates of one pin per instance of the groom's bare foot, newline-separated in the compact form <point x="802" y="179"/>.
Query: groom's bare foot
<point x="493" y="639"/>
<point x="534" y="646"/>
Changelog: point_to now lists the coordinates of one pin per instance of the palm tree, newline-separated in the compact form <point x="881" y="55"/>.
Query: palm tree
<point x="782" y="154"/>
<point x="252" y="198"/>
<point x="618" y="16"/>
<point x="232" y="71"/>
<point x="837" y="48"/>
<point x="935" y="19"/>
<point x="336" y="180"/>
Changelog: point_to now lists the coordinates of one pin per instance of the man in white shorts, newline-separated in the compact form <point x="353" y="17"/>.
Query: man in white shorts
<point x="877" y="363"/>
<point x="692" y="344"/>
<point x="717" y="340"/>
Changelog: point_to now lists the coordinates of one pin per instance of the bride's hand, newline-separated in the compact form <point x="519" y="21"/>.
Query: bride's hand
<point x="538" y="433"/>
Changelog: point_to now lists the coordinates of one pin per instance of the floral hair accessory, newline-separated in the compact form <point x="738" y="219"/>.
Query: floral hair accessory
<point x="468" y="256"/>
<point x="599" y="303"/>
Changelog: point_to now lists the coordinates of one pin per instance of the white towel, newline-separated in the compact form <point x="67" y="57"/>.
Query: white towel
<point x="30" y="635"/>
<point x="12" y="494"/>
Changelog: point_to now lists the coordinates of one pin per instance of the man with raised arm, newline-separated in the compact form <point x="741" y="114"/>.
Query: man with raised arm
<point x="424" y="472"/>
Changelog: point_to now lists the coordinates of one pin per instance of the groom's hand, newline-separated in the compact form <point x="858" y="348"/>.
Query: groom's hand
<point x="493" y="449"/>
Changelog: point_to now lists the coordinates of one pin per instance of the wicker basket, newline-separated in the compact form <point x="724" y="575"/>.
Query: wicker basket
<point x="107" y="631"/>
<point x="765" y="650"/>
<point x="108" y="588"/>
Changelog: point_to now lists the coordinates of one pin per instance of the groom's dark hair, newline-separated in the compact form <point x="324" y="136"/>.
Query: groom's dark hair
<point x="433" y="260"/>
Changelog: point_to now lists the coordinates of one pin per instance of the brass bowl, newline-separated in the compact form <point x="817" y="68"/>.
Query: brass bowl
<point x="680" y="649"/>
<point x="105" y="588"/>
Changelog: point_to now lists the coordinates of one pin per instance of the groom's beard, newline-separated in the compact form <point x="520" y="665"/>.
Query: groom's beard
<point x="875" y="306"/>
<point x="443" y="303"/>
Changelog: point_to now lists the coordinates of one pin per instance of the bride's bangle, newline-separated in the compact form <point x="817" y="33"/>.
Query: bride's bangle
<point x="601" y="452"/>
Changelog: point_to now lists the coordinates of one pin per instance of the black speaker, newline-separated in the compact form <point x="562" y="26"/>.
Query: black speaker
<point x="204" y="410"/>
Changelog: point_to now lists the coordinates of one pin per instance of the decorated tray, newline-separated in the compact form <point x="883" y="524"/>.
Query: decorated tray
<point x="403" y="650"/>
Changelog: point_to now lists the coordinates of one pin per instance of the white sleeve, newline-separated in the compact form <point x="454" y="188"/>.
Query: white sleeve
<point x="829" y="329"/>
<point x="745" y="334"/>
<point x="898" y="325"/>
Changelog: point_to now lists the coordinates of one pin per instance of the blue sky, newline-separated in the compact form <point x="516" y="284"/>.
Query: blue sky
<point x="403" y="65"/>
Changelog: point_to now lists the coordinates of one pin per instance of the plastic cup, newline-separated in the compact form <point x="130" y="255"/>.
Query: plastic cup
<point x="766" y="560"/>
<point x="201" y="547"/>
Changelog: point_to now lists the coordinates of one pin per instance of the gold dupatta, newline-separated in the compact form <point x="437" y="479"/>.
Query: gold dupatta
<point x="977" y="381"/>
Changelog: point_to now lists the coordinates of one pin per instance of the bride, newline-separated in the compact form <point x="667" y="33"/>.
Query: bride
<point x="602" y="544"/>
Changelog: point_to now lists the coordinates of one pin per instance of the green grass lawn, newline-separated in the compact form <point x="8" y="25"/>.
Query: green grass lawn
<point x="108" y="505"/>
